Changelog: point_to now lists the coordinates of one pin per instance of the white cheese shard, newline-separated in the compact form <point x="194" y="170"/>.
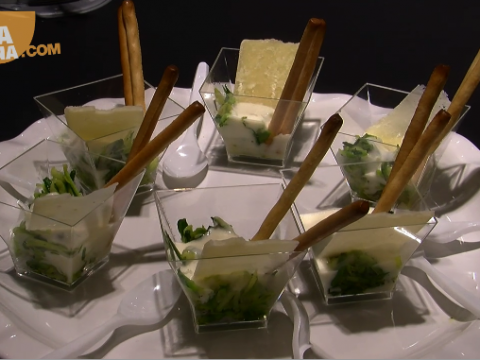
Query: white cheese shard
<point x="391" y="128"/>
<point x="90" y="123"/>
<point x="263" y="68"/>
<point x="69" y="209"/>
<point x="382" y="235"/>
<point x="223" y="257"/>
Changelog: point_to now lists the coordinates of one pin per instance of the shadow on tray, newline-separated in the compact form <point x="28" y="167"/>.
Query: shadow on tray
<point x="407" y="306"/>
<point x="98" y="285"/>
<point x="178" y="339"/>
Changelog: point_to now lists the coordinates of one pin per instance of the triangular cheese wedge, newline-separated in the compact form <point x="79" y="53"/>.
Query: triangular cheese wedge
<point x="391" y="128"/>
<point x="90" y="123"/>
<point x="69" y="210"/>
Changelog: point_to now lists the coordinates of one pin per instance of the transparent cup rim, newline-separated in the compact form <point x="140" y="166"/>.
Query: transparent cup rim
<point x="369" y="84"/>
<point x="289" y="253"/>
<point x="432" y="221"/>
<point x="202" y="91"/>
<point x="114" y="77"/>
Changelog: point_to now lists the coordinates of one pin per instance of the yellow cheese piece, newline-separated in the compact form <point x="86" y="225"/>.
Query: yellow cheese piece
<point x="391" y="128"/>
<point x="90" y="123"/>
<point x="263" y="68"/>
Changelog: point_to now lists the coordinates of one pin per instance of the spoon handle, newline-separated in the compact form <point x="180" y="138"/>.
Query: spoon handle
<point x="301" y="324"/>
<point x="452" y="231"/>
<point x="83" y="343"/>
<point x="464" y="297"/>
<point x="200" y="76"/>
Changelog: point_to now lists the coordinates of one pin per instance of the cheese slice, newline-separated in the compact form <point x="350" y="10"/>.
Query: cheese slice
<point x="69" y="209"/>
<point x="391" y="128"/>
<point x="263" y="68"/>
<point x="382" y="235"/>
<point x="222" y="257"/>
<point x="90" y="123"/>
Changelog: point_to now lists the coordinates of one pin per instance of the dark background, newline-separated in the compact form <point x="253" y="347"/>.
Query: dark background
<point x="391" y="43"/>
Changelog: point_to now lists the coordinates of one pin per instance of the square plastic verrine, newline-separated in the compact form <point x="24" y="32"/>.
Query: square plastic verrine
<point x="366" y="107"/>
<point x="363" y="260"/>
<point x="59" y="243"/>
<point x="228" y="292"/>
<point x="242" y="120"/>
<point x="103" y="94"/>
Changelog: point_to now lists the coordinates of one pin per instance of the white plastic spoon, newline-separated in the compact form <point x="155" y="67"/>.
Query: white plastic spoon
<point x="446" y="231"/>
<point x="187" y="160"/>
<point x="464" y="297"/>
<point x="301" y="324"/>
<point x="147" y="303"/>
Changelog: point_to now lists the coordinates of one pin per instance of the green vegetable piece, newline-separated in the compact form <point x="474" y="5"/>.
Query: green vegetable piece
<point x="238" y="296"/>
<point x="218" y="221"/>
<point x="189" y="283"/>
<point x="61" y="183"/>
<point x="47" y="270"/>
<point x="33" y="243"/>
<point x="48" y="183"/>
<point x="59" y="186"/>
<point x="188" y="254"/>
<point x="356" y="273"/>
<point x="356" y="173"/>
<point x="359" y="149"/>
<point x="219" y="98"/>
<point x="386" y="169"/>
<point x="226" y="107"/>
<point x="72" y="188"/>
<point x="188" y="233"/>
<point x="260" y="135"/>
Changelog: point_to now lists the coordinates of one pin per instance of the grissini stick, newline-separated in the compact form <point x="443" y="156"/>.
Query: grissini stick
<point x="396" y="184"/>
<point x="427" y="101"/>
<point x="124" y="59"/>
<point x="134" y="53"/>
<point x="167" y="82"/>
<point x="298" y="78"/>
<point x="158" y="144"/>
<point x="314" y="157"/>
<point x="333" y="223"/>
<point x="460" y="99"/>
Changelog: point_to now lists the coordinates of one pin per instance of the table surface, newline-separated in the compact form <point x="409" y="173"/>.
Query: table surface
<point x="391" y="43"/>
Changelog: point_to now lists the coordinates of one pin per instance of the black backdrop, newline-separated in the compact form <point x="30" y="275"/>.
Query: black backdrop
<point x="392" y="43"/>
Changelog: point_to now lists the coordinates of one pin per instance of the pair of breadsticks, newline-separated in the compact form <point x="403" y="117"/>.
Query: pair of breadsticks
<point x="144" y="150"/>
<point x="418" y="144"/>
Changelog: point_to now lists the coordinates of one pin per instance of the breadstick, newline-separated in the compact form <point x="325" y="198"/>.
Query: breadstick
<point x="125" y="62"/>
<point x="157" y="145"/>
<point x="463" y="94"/>
<point x="396" y="184"/>
<point x="343" y="217"/>
<point x="422" y="113"/>
<point x="134" y="53"/>
<point x="305" y="172"/>
<point x="296" y="85"/>
<point x="167" y="82"/>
